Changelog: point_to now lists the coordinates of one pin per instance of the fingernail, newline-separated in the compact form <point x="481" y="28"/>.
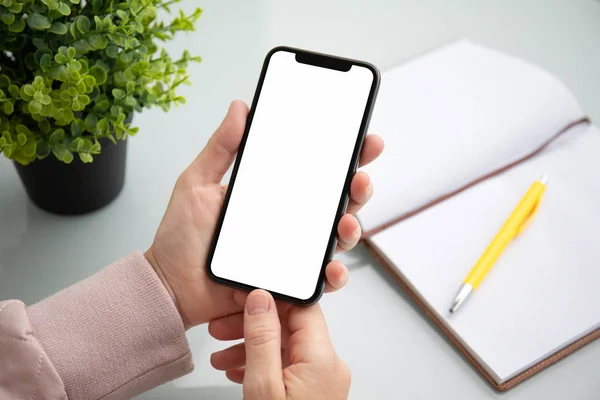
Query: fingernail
<point x="257" y="303"/>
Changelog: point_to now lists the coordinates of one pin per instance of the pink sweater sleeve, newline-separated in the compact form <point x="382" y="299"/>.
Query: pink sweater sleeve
<point x="111" y="336"/>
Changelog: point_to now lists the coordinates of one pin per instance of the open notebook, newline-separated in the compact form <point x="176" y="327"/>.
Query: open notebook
<point x="467" y="131"/>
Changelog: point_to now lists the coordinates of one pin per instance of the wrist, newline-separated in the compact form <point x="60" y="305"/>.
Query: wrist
<point x="149" y="255"/>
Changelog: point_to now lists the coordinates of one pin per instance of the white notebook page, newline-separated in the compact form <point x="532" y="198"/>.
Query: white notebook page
<point x="455" y="114"/>
<point x="543" y="292"/>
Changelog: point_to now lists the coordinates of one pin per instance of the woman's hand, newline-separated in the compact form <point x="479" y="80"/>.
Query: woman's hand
<point x="180" y="248"/>
<point x="284" y="356"/>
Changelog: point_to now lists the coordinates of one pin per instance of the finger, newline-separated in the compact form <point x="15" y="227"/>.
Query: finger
<point x="240" y="296"/>
<point x="230" y="327"/>
<point x="309" y="337"/>
<point x="337" y="276"/>
<point x="348" y="232"/>
<point x="218" y="154"/>
<point x="372" y="148"/>
<point x="262" y="335"/>
<point x="361" y="191"/>
<point x="235" y="375"/>
<point x="230" y="358"/>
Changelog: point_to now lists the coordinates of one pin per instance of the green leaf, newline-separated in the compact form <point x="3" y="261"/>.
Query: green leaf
<point x="8" y="107"/>
<point x="89" y="81"/>
<point x="126" y="56"/>
<point x="102" y="106"/>
<point x="73" y="30"/>
<point x="13" y="90"/>
<point x="90" y="122"/>
<point x="104" y="65"/>
<point x="22" y="138"/>
<point x="81" y="87"/>
<point x="64" y="9"/>
<point x="58" y="28"/>
<point x="63" y="75"/>
<point x="52" y="4"/>
<point x="38" y="96"/>
<point x="74" y="65"/>
<point x="98" y="41"/>
<point x="42" y="149"/>
<point x="76" y="144"/>
<point x="96" y="147"/>
<point x="98" y="23"/>
<point x="35" y="107"/>
<point x="130" y="86"/>
<point x="27" y="90"/>
<point x="99" y="74"/>
<point x="75" y="1"/>
<point x="41" y="52"/>
<point x="86" y="157"/>
<point x="16" y="8"/>
<point x="123" y="15"/>
<point x="83" y="24"/>
<point x="4" y="81"/>
<point x="84" y="66"/>
<point x="38" y="22"/>
<point x="62" y="153"/>
<point x="77" y="128"/>
<point x="57" y="136"/>
<point x="60" y="58"/>
<point x="128" y="74"/>
<point x="85" y="100"/>
<point x="97" y="5"/>
<point x="118" y="94"/>
<point x="29" y="148"/>
<point x="119" y="79"/>
<point x="17" y="26"/>
<point x="20" y="128"/>
<point x="102" y="125"/>
<point x="45" y="61"/>
<point x="82" y="46"/>
<point x="8" y="18"/>
<point x="130" y="101"/>
<point x="71" y="53"/>
<point x="76" y="105"/>
<point x="115" y="111"/>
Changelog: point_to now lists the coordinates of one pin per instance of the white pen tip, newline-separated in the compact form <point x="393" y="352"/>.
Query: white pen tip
<point x="544" y="179"/>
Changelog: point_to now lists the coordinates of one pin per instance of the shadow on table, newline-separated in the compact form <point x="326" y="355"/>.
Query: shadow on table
<point x="173" y="392"/>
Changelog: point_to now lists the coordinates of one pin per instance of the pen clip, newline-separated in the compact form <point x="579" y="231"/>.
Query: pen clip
<point x="528" y="218"/>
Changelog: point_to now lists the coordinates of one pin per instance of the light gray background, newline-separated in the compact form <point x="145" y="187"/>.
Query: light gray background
<point x="393" y="351"/>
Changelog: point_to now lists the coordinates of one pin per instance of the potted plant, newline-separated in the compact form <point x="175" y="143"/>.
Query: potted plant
<point x="72" y="74"/>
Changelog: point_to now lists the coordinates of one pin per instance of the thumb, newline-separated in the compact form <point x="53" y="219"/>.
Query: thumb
<point x="218" y="154"/>
<point x="262" y="333"/>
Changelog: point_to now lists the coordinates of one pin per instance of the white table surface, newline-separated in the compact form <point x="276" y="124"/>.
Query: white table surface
<point x="393" y="351"/>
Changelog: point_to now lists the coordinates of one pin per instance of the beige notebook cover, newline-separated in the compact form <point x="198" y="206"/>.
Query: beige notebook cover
<point x="467" y="130"/>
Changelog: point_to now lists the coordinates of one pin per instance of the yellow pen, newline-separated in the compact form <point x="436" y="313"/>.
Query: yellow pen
<point x="514" y="225"/>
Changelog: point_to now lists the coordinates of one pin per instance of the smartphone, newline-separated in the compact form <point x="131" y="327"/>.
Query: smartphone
<point x="291" y="178"/>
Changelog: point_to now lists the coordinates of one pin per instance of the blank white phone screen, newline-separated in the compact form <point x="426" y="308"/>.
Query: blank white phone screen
<point x="291" y="176"/>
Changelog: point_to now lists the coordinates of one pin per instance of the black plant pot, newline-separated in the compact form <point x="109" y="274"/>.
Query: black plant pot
<point x="76" y="188"/>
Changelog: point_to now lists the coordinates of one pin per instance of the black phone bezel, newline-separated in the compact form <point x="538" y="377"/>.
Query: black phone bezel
<point x="325" y="61"/>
